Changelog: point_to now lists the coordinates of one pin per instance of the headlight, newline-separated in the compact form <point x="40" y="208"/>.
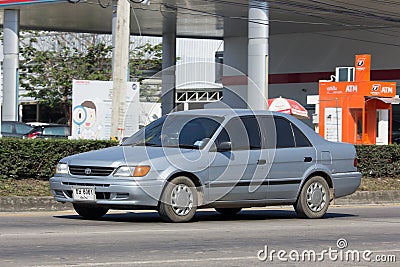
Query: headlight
<point x="132" y="171"/>
<point x="62" y="168"/>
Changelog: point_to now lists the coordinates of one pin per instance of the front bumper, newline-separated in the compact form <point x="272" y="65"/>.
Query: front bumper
<point x="110" y="192"/>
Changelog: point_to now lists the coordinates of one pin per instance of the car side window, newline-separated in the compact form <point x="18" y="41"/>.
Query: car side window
<point x="53" y="131"/>
<point x="251" y="125"/>
<point x="22" y="128"/>
<point x="242" y="132"/>
<point x="196" y="130"/>
<point x="6" y="128"/>
<point x="300" y="139"/>
<point x="284" y="133"/>
<point x="268" y="131"/>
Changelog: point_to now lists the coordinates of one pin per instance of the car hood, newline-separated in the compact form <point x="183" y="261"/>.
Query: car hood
<point x="125" y="155"/>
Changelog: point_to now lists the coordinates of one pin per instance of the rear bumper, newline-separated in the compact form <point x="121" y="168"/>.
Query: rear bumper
<point x="113" y="193"/>
<point x="346" y="183"/>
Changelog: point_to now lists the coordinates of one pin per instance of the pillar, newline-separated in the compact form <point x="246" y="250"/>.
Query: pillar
<point x="234" y="77"/>
<point x="258" y="54"/>
<point x="10" y="65"/>
<point x="168" y="60"/>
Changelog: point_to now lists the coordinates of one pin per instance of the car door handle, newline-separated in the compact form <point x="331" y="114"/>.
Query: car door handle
<point x="261" y="162"/>
<point x="307" y="159"/>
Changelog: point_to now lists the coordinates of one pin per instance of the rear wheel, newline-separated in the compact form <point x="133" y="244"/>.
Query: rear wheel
<point x="89" y="211"/>
<point x="228" y="211"/>
<point x="313" y="200"/>
<point x="178" y="201"/>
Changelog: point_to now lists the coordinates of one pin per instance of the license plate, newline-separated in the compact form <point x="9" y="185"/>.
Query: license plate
<point x="84" y="193"/>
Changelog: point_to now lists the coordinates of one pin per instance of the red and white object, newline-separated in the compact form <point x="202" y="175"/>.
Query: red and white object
<point x="288" y="106"/>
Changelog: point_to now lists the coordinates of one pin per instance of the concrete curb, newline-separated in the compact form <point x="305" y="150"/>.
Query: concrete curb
<point x="370" y="197"/>
<point x="19" y="204"/>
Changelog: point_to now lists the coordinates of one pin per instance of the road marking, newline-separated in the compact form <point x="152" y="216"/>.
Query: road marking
<point x="72" y="212"/>
<point x="172" y="261"/>
<point x="150" y="262"/>
<point x="102" y="232"/>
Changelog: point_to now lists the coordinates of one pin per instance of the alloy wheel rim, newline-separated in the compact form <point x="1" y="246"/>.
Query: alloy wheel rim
<point x="181" y="199"/>
<point x="316" y="197"/>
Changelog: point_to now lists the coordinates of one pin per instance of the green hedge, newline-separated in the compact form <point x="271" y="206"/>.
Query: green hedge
<point x="379" y="161"/>
<point x="27" y="158"/>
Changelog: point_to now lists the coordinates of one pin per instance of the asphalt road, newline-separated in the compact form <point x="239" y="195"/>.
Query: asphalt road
<point x="141" y="239"/>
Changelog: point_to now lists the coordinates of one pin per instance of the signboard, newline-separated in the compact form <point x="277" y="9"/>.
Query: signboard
<point x="4" y="3"/>
<point x="91" y="109"/>
<point x="333" y="124"/>
<point x="363" y="68"/>
<point x="367" y="88"/>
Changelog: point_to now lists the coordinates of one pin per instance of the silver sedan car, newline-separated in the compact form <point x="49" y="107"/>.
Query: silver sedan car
<point x="222" y="159"/>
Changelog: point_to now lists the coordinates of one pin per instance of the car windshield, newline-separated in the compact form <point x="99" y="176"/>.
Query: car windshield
<point x="184" y="131"/>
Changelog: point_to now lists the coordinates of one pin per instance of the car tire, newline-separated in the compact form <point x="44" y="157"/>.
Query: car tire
<point x="178" y="201"/>
<point x="89" y="212"/>
<point x="313" y="200"/>
<point x="228" y="211"/>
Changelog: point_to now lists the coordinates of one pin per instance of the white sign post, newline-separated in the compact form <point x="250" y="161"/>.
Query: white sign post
<point x="333" y="124"/>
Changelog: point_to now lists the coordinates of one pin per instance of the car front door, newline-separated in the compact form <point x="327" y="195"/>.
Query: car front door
<point x="236" y="169"/>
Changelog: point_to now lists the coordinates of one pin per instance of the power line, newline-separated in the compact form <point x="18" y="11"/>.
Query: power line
<point x="355" y="39"/>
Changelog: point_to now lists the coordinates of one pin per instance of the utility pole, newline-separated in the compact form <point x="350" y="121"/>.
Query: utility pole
<point x="121" y="34"/>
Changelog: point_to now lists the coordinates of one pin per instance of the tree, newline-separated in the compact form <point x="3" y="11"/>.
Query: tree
<point x="50" y="61"/>
<point x="145" y="61"/>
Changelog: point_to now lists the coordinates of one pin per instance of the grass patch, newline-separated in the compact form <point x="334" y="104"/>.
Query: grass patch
<point x="32" y="187"/>
<point x="24" y="187"/>
<point x="375" y="184"/>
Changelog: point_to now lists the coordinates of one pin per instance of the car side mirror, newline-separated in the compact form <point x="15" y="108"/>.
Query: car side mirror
<point x="224" y="146"/>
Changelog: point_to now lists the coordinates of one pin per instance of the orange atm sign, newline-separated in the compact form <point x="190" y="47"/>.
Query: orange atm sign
<point x="363" y="68"/>
<point x="366" y="88"/>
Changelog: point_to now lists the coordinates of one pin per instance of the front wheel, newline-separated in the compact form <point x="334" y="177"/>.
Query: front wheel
<point x="179" y="200"/>
<point x="313" y="200"/>
<point x="89" y="212"/>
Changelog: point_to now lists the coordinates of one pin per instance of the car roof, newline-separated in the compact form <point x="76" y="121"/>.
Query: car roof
<point x="19" y="122"/>
<point x="51" y="125"/>
<point x="228" y="113"/>
<point x="314" y="137"/>
<point x="224" y="112"/>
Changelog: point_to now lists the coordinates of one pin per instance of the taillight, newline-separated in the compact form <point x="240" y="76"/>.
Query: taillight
<point x="33" y="135"/>
<point x="355" y="162"/>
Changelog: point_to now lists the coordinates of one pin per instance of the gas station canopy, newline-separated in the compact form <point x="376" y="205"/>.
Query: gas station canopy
<point x="205" y="18"/>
